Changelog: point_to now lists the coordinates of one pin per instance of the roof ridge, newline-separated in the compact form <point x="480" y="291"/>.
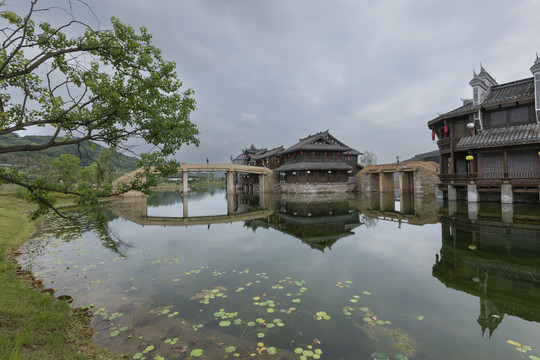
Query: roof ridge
<point x="511" y="83"/>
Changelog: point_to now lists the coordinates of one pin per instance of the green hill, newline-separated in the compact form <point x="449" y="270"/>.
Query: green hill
<point x="86" y="152"/>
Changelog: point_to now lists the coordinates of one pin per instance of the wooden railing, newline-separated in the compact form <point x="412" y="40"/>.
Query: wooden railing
<point x="532" y="176"/>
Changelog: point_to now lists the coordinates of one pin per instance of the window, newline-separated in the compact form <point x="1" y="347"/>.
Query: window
<point x="498" y="118"/>
<point x="519" y="115"/>
<point x="475" y="95"/>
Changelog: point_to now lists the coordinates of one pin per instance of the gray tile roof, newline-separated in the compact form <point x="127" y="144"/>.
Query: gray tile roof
<point x="308" y="165"/>
<point x="510" y="92"/>
<point x="499" y="94"/>
<point x="266" y="153"/>
<point x="309" y="144"/>
<point x="510" y="135"/>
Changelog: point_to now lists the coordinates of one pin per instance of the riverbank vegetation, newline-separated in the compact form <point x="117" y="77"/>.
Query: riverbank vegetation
<point x="33" y="325"/>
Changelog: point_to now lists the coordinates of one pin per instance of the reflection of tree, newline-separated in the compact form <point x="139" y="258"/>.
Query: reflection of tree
<point x="73" y="227"/>
<point x="369" y="222"/>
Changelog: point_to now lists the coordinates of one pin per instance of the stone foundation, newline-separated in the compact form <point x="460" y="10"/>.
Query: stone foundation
<point x="315" y="188"/>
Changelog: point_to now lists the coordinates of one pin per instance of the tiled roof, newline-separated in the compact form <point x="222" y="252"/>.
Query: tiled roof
<point x="308" y="165"/>
<point x="510" y="92"/>
<point x="510" y="135"/>
<point x="309" y="144"/>
<point x="498" y="94"/>
<point x="266" y="153"/>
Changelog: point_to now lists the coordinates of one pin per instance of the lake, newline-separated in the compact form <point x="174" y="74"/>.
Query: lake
<point x="300" y="277"/>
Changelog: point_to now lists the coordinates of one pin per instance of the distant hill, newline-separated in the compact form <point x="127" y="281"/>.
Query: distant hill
<point x="86" y="153"/>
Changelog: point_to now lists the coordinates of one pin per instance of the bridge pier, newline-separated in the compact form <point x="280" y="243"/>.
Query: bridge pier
<point x="184" y="182"/>
<point x="230" y="182"/>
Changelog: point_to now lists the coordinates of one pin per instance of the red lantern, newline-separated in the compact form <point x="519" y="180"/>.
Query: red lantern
<point x="325" y="153"/>
<point x="301" y="153"/>
<point x="433" y="135"/>
<point x="338" y="153"/>
<point x="446" y="129"/>
<point x="314" y="153"/>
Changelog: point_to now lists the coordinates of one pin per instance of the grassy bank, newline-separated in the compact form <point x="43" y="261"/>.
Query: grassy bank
<point x="32" y="324"/>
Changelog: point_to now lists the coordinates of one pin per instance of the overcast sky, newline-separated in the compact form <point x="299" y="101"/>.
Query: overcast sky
<point x="372" y="72"/>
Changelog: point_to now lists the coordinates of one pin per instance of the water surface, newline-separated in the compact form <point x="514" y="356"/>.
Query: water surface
<point x="301" y="277"/>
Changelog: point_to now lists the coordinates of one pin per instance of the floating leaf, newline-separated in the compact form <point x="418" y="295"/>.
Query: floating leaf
<point x="367" y="319"/>
<point x="379" y="356"/>
<point x="271" y="350"/>
<point x="224" y="323"/>
<point x="420" y="317"/>
<point x="219" y="313"/>
<point x="366" y="293"/>
<point x="512" y="342"/>
<point x="296" y="301"/>
<point x="534" y="357"/>
<point x="298" y="350"/>
<point x="148" y="349"/>
<point x="114" y="333"/>
<point x="251" y="323"/>
<point x="196" y="353"/>
<point x="230" y="349"/>
<point x="137" y="356"/>
<point x="237" y="321"/>
<point x="260" y="335"/>
<point x="401" y="357"/>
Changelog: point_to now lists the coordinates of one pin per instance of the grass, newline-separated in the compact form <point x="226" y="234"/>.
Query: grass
<point x="32" y="324"/>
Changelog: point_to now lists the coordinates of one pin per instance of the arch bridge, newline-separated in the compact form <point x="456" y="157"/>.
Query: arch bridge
<point x="267" y="178"/>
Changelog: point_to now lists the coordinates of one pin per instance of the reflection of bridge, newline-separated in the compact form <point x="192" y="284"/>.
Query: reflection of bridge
<point x="135" y="209"/>
<point x="415" y="210"/>
<point x="267" y="178"/>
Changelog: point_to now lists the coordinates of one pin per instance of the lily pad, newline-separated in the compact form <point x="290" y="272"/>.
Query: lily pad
<point x="148" y="349"/>
<point x="379" y="356"/>
<point x="271" y="350"/>
<point x="401" y="357"/>
<point x="260" y="335"/>
<point x="196" y="353"/>
<point x="137" y="356"/>
<point x="224" y="323"/>
<point x="114" y="333"/>
<point x="298" y="350"/>
<point x="230" y="349"/>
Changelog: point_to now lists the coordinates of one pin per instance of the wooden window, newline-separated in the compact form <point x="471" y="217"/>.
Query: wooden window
<point x="491" y="163"/>
<point x="519" y="115"/>
<point x="498" y="118"/>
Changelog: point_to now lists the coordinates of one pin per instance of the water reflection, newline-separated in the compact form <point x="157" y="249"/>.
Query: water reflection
<point x="164" y="278"/>
<point x="494" y="256"/>
<point x="318" y="221"/>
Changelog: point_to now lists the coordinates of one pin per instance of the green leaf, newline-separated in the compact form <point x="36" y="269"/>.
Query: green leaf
<point x="196" y="353"/>
<point x="230" y="349"/>
<point x="271" y="350"/>
<point x="379" y="356"/>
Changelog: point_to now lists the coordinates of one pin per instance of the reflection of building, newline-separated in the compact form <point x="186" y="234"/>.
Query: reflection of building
<point x="489" y="145"/>
<point x="499" y="262"/>
<point x="318" y="223"/>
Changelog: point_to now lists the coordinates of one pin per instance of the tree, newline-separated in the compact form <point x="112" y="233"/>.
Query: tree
<point x="368" y="158"/>
<point x="103" y="85"/>
<point x="67" y="167"/>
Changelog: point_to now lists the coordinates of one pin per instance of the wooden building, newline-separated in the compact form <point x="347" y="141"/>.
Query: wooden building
<point x="317" y="159"/>
<point x="489" y="146"/>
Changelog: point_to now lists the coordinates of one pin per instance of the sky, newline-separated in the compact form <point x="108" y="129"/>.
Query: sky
<point x="372" y="72"/>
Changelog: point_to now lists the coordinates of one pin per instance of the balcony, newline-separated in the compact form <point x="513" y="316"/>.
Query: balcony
<point x="517" y="177"/>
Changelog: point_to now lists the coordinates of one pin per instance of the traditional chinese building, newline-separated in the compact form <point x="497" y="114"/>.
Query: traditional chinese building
<point x="317" y="163"/>
<point x="317" y="160"/>
<point x="489" y="146"/>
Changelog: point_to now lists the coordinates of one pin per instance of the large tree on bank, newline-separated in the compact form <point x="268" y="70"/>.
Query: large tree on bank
<point x="90" y="85"/>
